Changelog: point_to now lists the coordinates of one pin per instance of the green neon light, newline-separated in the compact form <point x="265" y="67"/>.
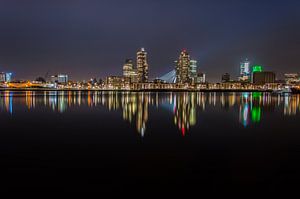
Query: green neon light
<point x="257" y="69"/>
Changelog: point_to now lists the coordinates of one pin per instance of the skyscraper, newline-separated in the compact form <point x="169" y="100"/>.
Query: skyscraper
<point x="142" y="66"/>
<point x="183" y="68"/>
<point x="245" y="71"/>
<point x="128" y="68"/>
<point x="193" y="70"/>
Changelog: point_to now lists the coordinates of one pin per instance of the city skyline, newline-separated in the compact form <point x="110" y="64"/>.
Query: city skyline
<point x="150" y="96"/>
<point x="139" y="68"/>
<point x="92" y="39"/>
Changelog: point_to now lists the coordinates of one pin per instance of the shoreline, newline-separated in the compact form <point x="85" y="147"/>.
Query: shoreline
<point x="138" y="90"/>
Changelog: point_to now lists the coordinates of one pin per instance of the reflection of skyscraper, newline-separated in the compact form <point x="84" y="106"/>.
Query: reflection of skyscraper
<point x="142" y="66"/>
<point x="142" y="113"/>
<point x="7" y="102"/>
<point x="251" y="106"/>
<point x="245" y="71"/>
<point x="185" y="111"/>
<point x="244" y="115"/>
<point x="183" y="68"/>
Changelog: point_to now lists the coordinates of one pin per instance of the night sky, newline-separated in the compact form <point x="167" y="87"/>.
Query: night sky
<point x="89" y="38"/>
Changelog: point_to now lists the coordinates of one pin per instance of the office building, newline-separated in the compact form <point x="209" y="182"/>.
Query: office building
<point x="245" y="75"/>
<point x="193" y="70"/>
<point x="5" y="77"/>
<point x="115" y="82"/>
<point x="183" y="68"/>
<point x="129" y="72"/>
<point x="264" y="77"/>
<point x="60" y="79"/>
<point x="128" y="68"/>
<point x="142" y="66"/>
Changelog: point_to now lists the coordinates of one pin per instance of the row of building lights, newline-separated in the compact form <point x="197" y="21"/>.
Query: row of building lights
<point x="185" y="73"/>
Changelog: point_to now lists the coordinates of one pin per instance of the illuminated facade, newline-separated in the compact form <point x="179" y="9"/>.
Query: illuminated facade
<point x="201" y="78"/>
<point x="60" y="79"/>
<point x="193" y="71"/>
<point x="292" y="78"/>
<point x="142" y="66"/>
<point x="257" y="68"/>
<point x="245" y="74"/>
<point x="128" y="68"/>
<point x="129" y="72"/>
<point x="115" y="82"/>
<point x="183" y="68"/>
<point x="5" y="77"/>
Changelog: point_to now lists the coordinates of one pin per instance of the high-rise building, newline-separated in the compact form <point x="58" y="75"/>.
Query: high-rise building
<point x="183" y="68"/>
<point x="245" y="74"/>
<point x="5" y="77"/>
<point x="193" y="70"/>
<point x="128" y="68"/>
<point x="142" y="66"/>
<point x="265" y="77"/>
<point x="256" y="69"/>
<point x="225" y="78"/>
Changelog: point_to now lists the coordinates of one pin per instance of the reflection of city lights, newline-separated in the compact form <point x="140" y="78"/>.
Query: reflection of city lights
<point x="256" y="114"/>
<point x="244" y="119"/>
<point x="291" y="105"/>
<point x="134" y="106"/>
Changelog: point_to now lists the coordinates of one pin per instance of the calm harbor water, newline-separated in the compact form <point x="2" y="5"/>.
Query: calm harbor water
<point x="112" y="141"/>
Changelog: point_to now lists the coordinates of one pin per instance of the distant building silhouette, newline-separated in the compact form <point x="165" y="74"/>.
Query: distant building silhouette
<point x="225" y="78"/>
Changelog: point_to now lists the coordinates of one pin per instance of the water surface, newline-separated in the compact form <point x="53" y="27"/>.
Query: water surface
<point x="116" y="141"/>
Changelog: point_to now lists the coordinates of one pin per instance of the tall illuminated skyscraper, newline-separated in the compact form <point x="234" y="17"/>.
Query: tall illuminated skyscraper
<point x="245" y="74"/>
<point x="142" y="66"/>
<point x="183" y="68"/>
<point x="193" y="70"/>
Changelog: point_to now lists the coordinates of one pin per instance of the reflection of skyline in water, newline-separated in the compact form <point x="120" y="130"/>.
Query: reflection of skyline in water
<point x="135" y="106"/>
